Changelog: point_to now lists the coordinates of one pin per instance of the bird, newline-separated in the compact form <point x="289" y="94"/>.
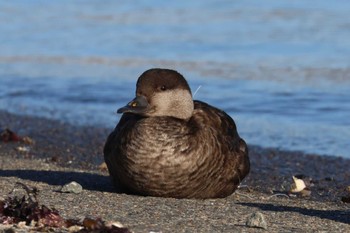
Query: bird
<point x="168" y="145"/>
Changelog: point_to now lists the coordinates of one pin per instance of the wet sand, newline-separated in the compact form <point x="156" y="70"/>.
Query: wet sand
<point x="63" y="153"/>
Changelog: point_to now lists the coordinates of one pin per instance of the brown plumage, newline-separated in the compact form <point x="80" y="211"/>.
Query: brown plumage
<point x="168" y="145"/>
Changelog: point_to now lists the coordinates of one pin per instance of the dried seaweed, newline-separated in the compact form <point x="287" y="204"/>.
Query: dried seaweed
<point x="7" y="135"/>
<point x="14" y="210"/>
<point x="97" y="225"/>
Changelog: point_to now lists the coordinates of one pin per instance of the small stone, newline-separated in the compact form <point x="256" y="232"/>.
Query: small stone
<point x="103" y="167"/>
<point x="256" y="219"/>
<point x="23" y="148"/>
<point x="28" y="140"/>
<point x="21" y="224"/>
<point x="72" y="187"/>
<point x="75" y="228"/>
<point x="116" y="224"/>
<point x="348" y="189"/>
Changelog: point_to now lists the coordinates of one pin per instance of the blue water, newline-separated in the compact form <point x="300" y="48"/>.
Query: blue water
<point x="281" y="69"/>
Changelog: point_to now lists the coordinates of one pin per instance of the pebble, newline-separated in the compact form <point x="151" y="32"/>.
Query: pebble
<point x="23" y="148"/>
<point x="75" y="228"/>
<point x="256" y="219"/>
<point x="72" y="187"/>
<point x="116" y="224"/>
<point x="305" y="193"/>
<point x="103" y="167"/>
<point x="28" y="140"/>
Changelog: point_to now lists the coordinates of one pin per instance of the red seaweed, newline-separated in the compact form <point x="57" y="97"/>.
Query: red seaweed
<point x="7" y="135"/>
<point x="14" y="210"/>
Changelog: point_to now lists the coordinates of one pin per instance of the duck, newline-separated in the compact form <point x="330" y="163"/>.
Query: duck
<point x="168" y="145"/>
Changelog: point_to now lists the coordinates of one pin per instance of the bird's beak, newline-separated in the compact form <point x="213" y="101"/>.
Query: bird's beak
<point x="137" y="105"/>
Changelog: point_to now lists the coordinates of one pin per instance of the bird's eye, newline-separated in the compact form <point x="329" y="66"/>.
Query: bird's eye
<point x="163" y="88"/>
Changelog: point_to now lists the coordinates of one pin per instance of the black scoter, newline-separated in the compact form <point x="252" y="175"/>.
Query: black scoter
<point x="168" y="145"/>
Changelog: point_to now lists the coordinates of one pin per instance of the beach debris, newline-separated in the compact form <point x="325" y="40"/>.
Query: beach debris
<point x="298" y="185"/>
<point x="28" y="140"/>
<point x="301" y="185"/>
<point x="72" y="187"/>
<point x="14" y="210"/>
<point x="98" y="225"/>
<point x="23" y="148"/>
<point x="75" y="228"/>
<point x="346" y="199"/>
<point x="117" y="224"/>
<point x="103" y="167"/>
<point x="31" y="192"/>
<point x="257" y="220"/>
<point x="26" y="212"/>
<point x="27" y="209"/>
<point x="7" y="135"/>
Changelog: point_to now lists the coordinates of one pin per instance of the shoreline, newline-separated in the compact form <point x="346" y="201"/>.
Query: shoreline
<point x="62" y="153"/>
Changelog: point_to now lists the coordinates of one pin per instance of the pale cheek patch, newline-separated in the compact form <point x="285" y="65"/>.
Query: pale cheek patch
<point x="176" y="103"/>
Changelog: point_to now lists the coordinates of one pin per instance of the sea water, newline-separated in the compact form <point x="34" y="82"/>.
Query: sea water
<point x="281" y="69"/>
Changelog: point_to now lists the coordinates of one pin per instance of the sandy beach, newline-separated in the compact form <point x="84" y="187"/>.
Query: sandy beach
<point x="62" y="153"/>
